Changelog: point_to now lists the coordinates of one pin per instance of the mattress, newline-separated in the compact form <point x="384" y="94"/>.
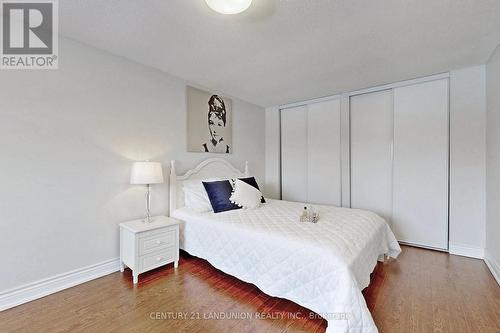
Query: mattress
<point x="323" y="266"/>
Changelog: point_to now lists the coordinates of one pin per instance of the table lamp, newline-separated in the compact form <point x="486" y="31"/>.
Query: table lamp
<point x="147" y="173"/>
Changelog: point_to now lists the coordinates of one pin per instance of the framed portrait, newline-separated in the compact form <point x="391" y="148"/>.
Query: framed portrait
<point x="209" y="122"/>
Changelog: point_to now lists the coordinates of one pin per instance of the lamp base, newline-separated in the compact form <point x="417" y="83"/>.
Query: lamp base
<point x="148" y="219"/>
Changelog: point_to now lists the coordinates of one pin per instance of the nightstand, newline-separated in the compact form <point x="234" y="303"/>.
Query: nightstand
<point x="145" y="246"/>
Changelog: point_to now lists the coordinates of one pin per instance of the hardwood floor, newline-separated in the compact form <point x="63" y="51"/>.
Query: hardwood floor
<point x="422" y="291"/>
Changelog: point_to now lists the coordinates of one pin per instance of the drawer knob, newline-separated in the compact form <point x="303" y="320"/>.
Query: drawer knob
<point x="159" y="258"/>
<point x="158" y="242"/>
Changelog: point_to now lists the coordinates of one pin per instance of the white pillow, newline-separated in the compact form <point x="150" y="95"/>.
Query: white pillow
<point x="245" y="195"/>
<point x="195" y="195"/>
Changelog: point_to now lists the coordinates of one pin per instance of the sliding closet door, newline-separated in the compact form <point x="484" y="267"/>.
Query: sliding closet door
<point x="420" y="213"/>
<point x="371" y="152"/>
<point x="323" y="162"/>
<point x="294" y="154"/>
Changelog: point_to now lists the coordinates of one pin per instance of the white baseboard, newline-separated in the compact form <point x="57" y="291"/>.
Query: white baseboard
<point x="41" y="288"/>
<point x="493" y="265"/>
<point x="466" y="251"/>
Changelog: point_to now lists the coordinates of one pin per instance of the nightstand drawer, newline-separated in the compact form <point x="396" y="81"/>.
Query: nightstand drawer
<point x="145" y="246"/>
<point x="154" y="241"/>
<point x="157" y="259"/>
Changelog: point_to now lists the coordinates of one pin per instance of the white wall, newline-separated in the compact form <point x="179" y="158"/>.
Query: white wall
<point x="67" y="139"/>
<point x="467" y="161"/>
<point x="467" y="157"/>
<point x="493" y="163"/>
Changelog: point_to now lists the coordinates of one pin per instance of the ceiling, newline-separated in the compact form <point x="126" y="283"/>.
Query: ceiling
<point x="282" y="51"/>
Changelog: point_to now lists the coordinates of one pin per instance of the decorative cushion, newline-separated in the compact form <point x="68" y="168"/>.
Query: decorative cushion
<point x="245" y="195"/>
<point x="219" y="193"/>
<point x="253" y="182"/>
<point x="195" y="196"/>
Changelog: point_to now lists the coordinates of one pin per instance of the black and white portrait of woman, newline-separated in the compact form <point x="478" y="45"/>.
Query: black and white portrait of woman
<point x="209" y="122"/>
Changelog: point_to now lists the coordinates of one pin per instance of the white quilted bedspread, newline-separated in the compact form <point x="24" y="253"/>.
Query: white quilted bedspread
<point x="322" y="266"/>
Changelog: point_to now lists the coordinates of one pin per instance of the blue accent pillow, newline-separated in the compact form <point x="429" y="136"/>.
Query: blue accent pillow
<point x="252" y="182"/>
<point x="219" y="193"/>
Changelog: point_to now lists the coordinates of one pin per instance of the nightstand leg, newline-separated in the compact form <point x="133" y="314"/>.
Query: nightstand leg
<point x="136" y="278"/>
<point x="176" y="264"/>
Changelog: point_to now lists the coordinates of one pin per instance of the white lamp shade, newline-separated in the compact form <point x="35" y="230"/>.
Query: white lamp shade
<point x="144" y="173"/>
<point x="229" y="6"/>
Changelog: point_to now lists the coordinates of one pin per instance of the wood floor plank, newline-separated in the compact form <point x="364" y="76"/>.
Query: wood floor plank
<point x="421" y="291"/>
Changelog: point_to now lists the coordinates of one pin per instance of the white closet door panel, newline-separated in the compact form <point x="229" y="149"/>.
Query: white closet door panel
<point x="420" y="213"/>
<point x="371" y="152"/>
<point x="294" y="154"/>
<point x="323" y="167"/>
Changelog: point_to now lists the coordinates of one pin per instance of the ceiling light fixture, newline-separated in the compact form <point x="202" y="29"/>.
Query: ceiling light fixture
<point x="229" y="6"/>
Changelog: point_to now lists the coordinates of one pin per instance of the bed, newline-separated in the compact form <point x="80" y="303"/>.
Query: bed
<point x="323" y="266"/>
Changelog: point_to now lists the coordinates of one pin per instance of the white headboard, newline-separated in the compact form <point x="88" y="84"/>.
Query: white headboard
<point x="211" y="168"/>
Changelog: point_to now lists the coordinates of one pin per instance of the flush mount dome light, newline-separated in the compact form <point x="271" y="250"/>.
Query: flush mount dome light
<point x="229" y="6"/>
